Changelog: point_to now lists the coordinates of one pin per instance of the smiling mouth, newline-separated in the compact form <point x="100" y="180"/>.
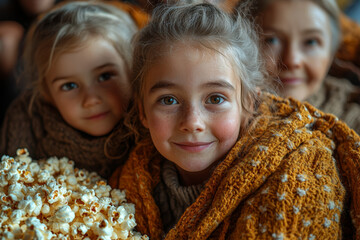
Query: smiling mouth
<point x="97" y="116"/>
<point x="291" y="81"/>
<point x="194" y="147"/>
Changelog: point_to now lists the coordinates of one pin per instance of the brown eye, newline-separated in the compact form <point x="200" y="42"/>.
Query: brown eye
<point x="168" y="100"/>
<point x="215" y="99"/>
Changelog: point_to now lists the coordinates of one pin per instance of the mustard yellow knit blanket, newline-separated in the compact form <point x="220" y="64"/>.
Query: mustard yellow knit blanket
<point x="287" y="178"/>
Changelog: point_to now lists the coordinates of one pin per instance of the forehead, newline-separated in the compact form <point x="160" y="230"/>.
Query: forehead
<point x="185" y="51"/>
<point x="91" y="54"/>
<point x="294" y="15"/>
<point x="186" y="54"/>
<point x="181" y="62"/>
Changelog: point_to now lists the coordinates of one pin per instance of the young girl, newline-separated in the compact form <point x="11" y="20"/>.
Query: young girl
<point x="300" y="39"/>
<point x="216" y="157"/>
<point x="78" y="58"/>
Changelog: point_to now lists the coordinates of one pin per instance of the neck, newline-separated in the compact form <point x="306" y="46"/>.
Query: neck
<point x="195" y="178"/>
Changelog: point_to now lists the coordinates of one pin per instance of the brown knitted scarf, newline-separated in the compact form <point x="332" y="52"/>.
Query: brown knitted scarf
<point x="280" y="181"/>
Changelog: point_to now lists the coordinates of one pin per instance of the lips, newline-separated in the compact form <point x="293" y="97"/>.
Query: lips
<point x="97" y="116"/>
<point x="194" y="146"/>
<point x="291" y="81"/>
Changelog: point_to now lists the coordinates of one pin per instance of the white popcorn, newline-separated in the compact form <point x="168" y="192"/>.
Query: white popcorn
<point x="118" y="196"/>
<point x="3" y="180"/>
<point x="13" y="175"/>
<point x="34" y="168"/>
<point x="78" y="229"/>
<point x="6" y="162"/>
<point x="71" y="180"/>
<point x="103" y="228"/>
<point x="43" y="176"/>
<point x="63" y="214"/>
<point x="15" y="189"/>
<point x="27" y="205"/>
<point x="26" y="176"/>
<point x="45" y="210"/>
<point x="129" y="222"/>
<point x="50" y="199"/>
<point x="17" y="215"/>
<point x="88" y="221"/>
<point x="58" y="227"/>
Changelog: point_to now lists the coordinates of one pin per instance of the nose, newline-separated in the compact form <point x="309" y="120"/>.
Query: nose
<point x="91" y="97"/>
<point x="192" y="120"/>
<point x="292" y="56"/>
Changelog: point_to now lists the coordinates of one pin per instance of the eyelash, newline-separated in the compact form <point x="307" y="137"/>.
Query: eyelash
<point x="272" y="40"/>
<point x="163" y="99"/>
<point x="311" y="42"/>
<point x="108" y="74"/>
<point x="174" y="101"/>
<point x="69" y="86"/>
<point x="208" y="100"/>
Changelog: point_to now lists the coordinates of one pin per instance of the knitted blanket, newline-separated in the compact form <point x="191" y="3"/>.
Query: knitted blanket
<point x="284" y="179"/>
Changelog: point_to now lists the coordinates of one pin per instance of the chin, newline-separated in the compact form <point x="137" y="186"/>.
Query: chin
<point x="98" y="133"/>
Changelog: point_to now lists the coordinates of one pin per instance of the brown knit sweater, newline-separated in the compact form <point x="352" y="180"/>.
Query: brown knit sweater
<point x="286" y="178"/>
<point x="341" y="98"/>
<point x="171" y="197"/>
<point x="45" y="134"/>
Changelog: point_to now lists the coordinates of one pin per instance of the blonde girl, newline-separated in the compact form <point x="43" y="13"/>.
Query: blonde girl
<point x="219" y="158"/>
<point x="78" y="60"/>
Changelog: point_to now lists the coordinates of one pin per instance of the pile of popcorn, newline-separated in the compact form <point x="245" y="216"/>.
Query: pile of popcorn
<point x="50" y="199"/>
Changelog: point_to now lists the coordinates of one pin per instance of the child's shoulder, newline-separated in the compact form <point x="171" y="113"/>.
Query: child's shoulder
<point x="17" y="128"/>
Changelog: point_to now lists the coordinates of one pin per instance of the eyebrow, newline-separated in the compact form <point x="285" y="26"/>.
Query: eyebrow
<point x="221" y="84"/>
<point x="213" y="84"/>
<point x="314" y="30"/>
<point x="95" y="69"/>
<point x="161" y="85"/>
<point x="307" y="31"/>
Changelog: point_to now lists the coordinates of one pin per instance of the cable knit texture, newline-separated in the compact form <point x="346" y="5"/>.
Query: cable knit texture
<point x="341" y="98"/>
<point x="171" y="197"/>
<point x="284" y="179"/>
<point x="45" y="134"/>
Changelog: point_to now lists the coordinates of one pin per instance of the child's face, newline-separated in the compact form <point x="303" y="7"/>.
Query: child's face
<point x="192" y="107"/>
<point x="297" y="45"/>
<point x="89" y="87"/>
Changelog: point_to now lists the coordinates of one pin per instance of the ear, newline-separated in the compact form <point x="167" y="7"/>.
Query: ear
<point x="142" y="115"/>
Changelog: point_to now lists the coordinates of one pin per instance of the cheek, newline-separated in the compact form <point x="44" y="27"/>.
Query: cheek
<point x="318" y="68"/>
<point x="66" y="108"/>
<point x="160" y="126"/>
<point x="227" y="131"/>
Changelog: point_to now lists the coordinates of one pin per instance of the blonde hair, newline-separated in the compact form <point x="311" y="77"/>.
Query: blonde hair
<point x="207" y="26"/>
<point x="329" y="6"/>
<point x="67" y="27"/>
